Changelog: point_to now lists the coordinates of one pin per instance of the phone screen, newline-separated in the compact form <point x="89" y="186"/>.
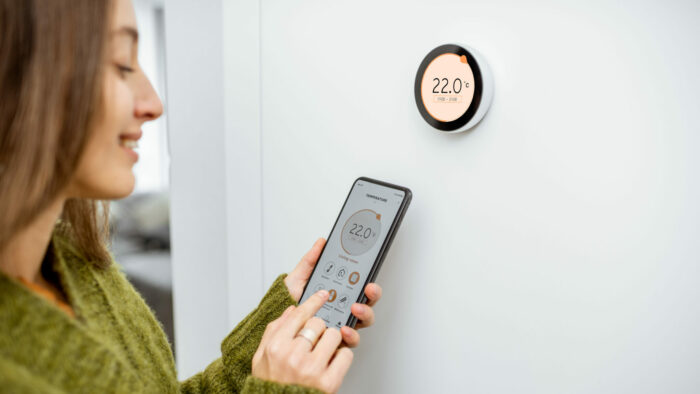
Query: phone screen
<point x="352" y="248"/>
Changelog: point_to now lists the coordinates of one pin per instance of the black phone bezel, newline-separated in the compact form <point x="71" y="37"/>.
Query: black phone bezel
<point x="408" y="195"/>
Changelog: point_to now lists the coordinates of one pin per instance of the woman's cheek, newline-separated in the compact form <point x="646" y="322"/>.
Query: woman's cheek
<point x="123" y="121"/>
<point x="111" y="168"/>
<point x="119" y="105"/>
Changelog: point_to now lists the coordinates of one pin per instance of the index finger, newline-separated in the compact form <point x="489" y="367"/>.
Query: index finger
<point x="304" y="312"/>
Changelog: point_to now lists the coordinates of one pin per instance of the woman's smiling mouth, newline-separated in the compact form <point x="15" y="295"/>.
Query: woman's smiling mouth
<point x="130" y="141"/>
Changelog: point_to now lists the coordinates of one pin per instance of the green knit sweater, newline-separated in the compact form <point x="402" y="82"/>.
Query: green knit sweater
<point x="115" y="344"/>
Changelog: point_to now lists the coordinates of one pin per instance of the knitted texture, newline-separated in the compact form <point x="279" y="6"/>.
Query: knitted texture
<point x="115" y="344"/>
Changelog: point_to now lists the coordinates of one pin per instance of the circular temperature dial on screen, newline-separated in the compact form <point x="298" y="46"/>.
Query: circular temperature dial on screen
<point x="360" y="232"/>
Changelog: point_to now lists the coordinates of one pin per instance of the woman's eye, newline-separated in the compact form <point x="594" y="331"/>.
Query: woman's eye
<point x="124" y="70"/>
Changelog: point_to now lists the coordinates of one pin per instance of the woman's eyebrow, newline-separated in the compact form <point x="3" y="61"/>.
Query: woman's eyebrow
<point x="130" y="31"/>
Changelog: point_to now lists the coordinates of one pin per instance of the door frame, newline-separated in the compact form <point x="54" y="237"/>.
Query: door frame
<point x="213" y="92"/>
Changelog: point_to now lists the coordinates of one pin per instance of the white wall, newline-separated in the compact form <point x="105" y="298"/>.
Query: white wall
<point x="553" y="249"/>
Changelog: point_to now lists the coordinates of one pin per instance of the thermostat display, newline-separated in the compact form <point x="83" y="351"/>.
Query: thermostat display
<point x="451" y="89"/>
<point x="448" y="87"/>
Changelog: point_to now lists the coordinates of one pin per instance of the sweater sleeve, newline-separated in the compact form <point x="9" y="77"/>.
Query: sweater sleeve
<point x="231" y="372"/>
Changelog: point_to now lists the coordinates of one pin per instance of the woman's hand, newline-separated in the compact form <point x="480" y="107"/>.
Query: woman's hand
<point x="296" y="280"/>
<point x="314" y="361"/>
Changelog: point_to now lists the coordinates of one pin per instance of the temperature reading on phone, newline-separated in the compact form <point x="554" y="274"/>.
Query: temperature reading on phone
<point x="361" y="232"/>
<point x="357" y="230"/>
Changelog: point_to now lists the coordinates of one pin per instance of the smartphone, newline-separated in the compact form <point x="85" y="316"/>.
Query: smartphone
<point x="356" y="247"/>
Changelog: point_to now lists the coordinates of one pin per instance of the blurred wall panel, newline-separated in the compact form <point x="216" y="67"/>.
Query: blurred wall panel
<point x="213" y="117"/>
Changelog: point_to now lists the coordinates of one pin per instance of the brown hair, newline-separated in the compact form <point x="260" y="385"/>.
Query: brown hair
<point x="51" y="69"/>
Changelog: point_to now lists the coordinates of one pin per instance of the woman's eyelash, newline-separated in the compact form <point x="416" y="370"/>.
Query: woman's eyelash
<point x="124" y="69"/>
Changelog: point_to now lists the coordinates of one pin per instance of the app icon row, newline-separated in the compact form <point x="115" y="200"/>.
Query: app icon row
<point x="341" y="273"/>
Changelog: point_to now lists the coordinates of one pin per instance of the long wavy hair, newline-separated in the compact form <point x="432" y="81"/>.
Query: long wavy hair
<point x="52" y="54"/>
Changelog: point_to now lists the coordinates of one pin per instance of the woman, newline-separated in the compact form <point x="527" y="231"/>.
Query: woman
<point x="73" y="100"/>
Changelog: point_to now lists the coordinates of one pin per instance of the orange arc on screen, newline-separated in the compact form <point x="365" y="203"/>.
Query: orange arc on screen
<point x="379" y="216"/>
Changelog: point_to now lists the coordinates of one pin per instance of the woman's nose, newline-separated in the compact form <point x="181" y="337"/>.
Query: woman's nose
<point x="148" y="105"/>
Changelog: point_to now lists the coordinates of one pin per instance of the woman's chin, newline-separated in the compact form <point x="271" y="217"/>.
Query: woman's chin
<point x="120" y="187"/>
<point x="122" y="194"/>
<point x="123" y="190"/>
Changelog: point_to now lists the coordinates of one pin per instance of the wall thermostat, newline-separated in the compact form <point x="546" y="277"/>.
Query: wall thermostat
<point x="453" y="88"/>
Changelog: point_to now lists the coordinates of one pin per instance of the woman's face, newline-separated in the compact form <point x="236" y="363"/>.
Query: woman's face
<point x="105" y="169"/>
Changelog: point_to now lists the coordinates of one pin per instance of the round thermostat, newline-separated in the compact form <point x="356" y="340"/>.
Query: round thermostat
<point x="453" y="88"/>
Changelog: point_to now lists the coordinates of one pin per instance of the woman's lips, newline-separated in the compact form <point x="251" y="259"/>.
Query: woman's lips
<point x="136" y="135"/>
<point x="129" y="142"/>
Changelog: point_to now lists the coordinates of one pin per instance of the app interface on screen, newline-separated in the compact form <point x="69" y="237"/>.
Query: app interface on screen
<point x="352" y="248"/>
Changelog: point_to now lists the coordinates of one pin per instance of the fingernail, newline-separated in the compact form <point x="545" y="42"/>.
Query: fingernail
<point x="322" y="293"/>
